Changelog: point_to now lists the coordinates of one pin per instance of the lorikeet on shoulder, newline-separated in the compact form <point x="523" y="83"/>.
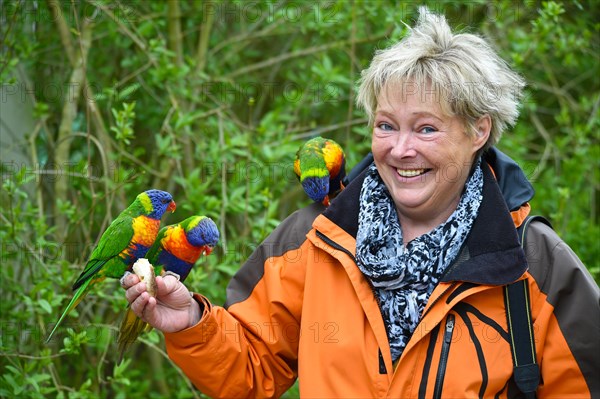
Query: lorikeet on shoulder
<point x="127" y="239"/>
<point x="320" y="165"/>
<point x="175" y="251"/>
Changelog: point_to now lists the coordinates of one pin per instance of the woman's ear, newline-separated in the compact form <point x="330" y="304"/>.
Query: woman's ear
<point x="483" y="127"/>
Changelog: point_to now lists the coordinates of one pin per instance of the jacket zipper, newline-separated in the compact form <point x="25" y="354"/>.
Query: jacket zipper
<point x="441" y="372"/>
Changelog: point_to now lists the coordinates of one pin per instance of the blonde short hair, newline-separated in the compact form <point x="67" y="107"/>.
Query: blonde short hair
<point x="471" y="79"/>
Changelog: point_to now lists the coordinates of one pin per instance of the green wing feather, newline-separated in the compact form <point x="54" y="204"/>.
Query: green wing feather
<point x="154" y="251"/>
<point x="114" y="240"/>
<point x="310" y="160"/>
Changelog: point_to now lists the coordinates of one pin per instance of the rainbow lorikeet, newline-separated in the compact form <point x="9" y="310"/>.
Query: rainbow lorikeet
<point x="127" y="239"/>
<point x="175" y="251"/>
<point x="320" y="165"/>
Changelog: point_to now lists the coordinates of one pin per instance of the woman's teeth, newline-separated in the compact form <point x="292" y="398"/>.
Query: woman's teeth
<point x="410" y="172"/>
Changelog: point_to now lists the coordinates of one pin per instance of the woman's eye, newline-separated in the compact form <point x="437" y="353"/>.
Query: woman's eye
<point x="385" y="126"/>
<point x="427" y="129"/>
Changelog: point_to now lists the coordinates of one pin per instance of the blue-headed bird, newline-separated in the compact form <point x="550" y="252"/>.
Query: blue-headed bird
<point x="320" y="165"/>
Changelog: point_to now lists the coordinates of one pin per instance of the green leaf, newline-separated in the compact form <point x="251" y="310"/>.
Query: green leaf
<point x="45" y="305"/>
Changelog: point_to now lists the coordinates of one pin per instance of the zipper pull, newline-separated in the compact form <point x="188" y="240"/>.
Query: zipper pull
<point x="449" y="328"/>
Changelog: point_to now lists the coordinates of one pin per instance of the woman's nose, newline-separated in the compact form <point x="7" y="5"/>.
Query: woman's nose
<point x="404" y="145"/>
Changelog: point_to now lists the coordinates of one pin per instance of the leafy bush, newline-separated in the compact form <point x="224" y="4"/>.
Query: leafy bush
<point x="210" y="100"/>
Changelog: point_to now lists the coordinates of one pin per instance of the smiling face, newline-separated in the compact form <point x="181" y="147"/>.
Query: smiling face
<point x="423" y="155"/>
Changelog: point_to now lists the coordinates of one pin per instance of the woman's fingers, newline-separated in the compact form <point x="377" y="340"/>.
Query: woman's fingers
<point x="135" y="291"/>
<point x="143" y="304"/>
<point x="128" y="280"/>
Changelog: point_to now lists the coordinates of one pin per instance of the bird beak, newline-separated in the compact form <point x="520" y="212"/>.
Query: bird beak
<point x="208" y="249"/>
<point x="172" y="206"/>
<point x="326" y="200"/>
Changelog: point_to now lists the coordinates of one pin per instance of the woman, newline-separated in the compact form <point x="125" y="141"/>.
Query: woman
<point x="396" y="290"/>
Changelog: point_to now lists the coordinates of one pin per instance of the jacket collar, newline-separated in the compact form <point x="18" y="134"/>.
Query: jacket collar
<point x="511" y="179"/>
<point x="490" y="255"/>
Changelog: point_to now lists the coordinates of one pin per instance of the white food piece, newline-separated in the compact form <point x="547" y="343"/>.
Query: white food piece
<point x="145" y="271"/>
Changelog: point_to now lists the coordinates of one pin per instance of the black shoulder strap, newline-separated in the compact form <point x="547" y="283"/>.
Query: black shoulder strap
<point x="520" y="326"/>
<point x="522" y="229"/>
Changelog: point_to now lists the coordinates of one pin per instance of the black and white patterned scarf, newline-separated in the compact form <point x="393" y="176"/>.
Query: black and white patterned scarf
<point x="404" y="277"/>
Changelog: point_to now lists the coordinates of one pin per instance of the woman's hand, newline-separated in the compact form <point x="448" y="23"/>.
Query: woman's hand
<point x="172" y="310"/>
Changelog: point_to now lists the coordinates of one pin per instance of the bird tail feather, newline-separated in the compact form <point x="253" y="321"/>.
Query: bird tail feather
<point x="131" y="327"/>
<point x="77" y="297"/>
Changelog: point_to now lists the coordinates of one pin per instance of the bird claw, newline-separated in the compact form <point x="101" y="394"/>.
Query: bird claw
<point x="170" y="273"/>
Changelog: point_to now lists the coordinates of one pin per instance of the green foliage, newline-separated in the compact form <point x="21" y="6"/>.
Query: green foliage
<point x="214" y="113"/>
<point x="124" y="119"/>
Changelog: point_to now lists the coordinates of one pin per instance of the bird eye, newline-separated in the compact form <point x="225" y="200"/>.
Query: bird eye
<point x="165" y="201"/>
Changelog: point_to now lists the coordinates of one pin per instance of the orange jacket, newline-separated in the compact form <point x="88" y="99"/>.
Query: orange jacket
<point x="300" y="307"/>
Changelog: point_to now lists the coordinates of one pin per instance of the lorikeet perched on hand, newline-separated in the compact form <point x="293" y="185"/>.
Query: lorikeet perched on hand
<point x="175" y="251"/>
<point x="127" y="239"/>
<point x="320" y="165"/>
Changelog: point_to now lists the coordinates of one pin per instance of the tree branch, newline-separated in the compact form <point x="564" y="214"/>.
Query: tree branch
<point x="69" y="112"/>
<point x="63" y="31"/>
<point x="68" y="46"/>
<point x="298" y="53"/>
<point x="203" y="42"/>
<point x="136" y="39"/>
<point x="175" y="39"/>
<point x="174" y="25"/>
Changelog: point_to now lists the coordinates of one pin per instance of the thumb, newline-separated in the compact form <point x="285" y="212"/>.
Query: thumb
<point x="167" y="285"/>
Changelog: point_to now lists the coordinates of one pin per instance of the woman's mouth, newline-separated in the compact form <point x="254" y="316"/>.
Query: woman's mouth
<point x="411" y="172"/>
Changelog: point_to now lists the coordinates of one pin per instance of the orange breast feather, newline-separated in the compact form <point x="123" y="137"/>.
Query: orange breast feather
<point x="145" y="230"/>
<point x="177" y="244"/>
<point x="333" y="155"/>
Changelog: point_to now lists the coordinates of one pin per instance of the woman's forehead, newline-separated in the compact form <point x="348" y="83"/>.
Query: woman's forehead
<point x="424" y="92"/>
